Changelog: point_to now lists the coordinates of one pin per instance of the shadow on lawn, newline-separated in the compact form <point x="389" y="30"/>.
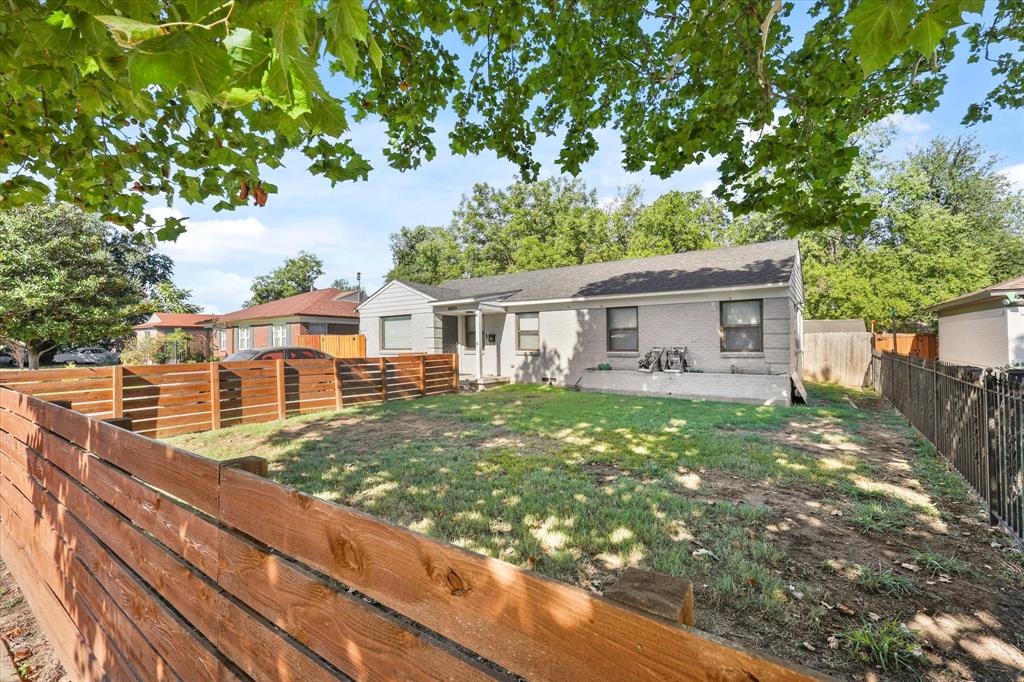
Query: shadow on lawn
<point x="740" y="499"/>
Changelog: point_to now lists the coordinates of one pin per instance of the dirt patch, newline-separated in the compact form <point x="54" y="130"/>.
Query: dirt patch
<point x="23" y="641"/>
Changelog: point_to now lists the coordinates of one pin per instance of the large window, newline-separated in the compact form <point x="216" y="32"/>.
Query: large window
<point x="280" y="335"/>
<point x="244" y="335"/>
<point x="741" y="327"/>
<point x="396" y="332"/>
<point x="470" y="333"/>
<point x="623" y="331"/>
<point x="317" y="328"/>
<point x="527" y="331"/>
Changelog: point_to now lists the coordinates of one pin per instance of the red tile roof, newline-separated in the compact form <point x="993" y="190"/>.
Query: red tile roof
<point x="176" y="320"/>
<point x="320" y="302"/>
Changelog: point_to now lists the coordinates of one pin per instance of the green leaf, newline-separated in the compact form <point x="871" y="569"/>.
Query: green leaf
<point x="250" y="57"/>
<point x="184" y="59"/>
<point x="346" y="24"/>
<point x="61" y="19"/>
<point x="375" y="54"/>
<point x="129" y="32"/>
<point x="880" y="31"/>
<point x="928" y="33"/>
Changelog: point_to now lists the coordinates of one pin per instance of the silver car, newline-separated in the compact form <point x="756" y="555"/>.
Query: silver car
<point x="89" y="355"/>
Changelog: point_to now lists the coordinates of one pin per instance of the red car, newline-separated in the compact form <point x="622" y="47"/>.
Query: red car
<point x="278" y="353"/>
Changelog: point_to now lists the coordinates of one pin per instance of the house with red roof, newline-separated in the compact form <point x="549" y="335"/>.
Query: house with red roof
<point x="280" y="322"/>
<point x="162" y="323"/>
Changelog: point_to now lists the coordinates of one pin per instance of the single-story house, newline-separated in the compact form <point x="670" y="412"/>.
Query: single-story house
<point x="737" y="311"/>
<point x="162" y="323"/>
<point x="280" y="322"/>
<point x="984" y="328"/>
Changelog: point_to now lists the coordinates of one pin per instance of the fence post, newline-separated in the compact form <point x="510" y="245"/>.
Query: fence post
<point x="120" y="422"/>
<point x="383" y="379"/>
<point x="339" y="396"/>
<point x="989" y="454"/>
<point x="215" y="395"/>
<point x="455" y="372"/>
<point x="117" y="391"/>
<point x="935" y="405"/>
<point x="279" y="371"/>
<point x="423" y="375"/>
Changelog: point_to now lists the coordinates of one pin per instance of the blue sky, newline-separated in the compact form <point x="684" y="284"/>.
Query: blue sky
<point x="349" y="226"/>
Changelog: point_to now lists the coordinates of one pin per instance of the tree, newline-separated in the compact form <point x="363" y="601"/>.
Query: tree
<point x="59" y="283"/>
<point x="678" y="221"/>
<point x="296" y="276"/>
<point x="143" y="266"/>
<point x="344" y="284"/>
<point x="109" y="104"/>
<point x="428" y="255"/>
<point x="166" y="297"/>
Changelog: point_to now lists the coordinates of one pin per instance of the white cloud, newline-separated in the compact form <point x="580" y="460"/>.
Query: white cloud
<point x="219" y="291"/>
<point x="908" y="125"/>
<point x="214" y="241"/>
<point x="1015" y="174"/>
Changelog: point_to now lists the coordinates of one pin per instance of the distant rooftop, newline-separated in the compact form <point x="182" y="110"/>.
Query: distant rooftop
<point x="176" y="320"/>
<point x="318" y="303"/>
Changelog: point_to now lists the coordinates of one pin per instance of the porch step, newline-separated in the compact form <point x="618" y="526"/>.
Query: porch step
<point x="471" y="383"/>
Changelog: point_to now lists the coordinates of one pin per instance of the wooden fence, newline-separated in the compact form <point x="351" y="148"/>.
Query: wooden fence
<point x="973" y="417"/>
<point x="837" y="357"/>
<point x="338" y="345"/>
<point x="163" y="400"/>
<point x="920" y="345"/>
<point x="144" y="561"/>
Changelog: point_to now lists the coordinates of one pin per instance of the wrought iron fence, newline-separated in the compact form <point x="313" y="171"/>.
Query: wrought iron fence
<point x="973" y="417"/>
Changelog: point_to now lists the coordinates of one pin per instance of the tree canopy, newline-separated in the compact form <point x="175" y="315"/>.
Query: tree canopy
<point x="169" y="298"/>
<point x="59" y="281"/>
<point x="947" y="223"/>
<point x="297" y="275"/>
<point x="111" y="104"/>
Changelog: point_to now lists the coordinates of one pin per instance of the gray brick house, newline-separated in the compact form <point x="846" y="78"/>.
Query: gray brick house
<point x="737" y="310"/>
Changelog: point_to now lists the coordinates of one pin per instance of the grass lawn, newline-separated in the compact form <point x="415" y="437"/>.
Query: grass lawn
<point x="828" y="534"/>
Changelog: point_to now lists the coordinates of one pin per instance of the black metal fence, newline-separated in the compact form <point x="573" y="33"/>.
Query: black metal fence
<point x="973" y="417"/>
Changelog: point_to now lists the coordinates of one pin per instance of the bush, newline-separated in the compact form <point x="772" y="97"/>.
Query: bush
<point x="177" y="346"/>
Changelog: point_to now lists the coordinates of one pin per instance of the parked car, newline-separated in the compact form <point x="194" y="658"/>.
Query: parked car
<point x="7" y="359"/>
<point x="89" y="355"/>
<point x="278" y="353"/>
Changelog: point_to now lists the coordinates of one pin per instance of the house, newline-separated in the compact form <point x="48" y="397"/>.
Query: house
<point x="738" y="312"/>
<point x="280" y="322"/>
<point x="984" y="328"/>
<point x="162" y="323"/>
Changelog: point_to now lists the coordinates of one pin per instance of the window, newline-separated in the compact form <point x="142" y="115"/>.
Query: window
<point x="527" y="331"/>
<point x="303" y="354"/>
<point x="280" y="335"/>
<point x="396" y="332"/>
<point x="272" y="355"/>
<point x="317" y="328"/>
<point x="623" y="331"/>
<point x="741" y="327"/>
<point x="470" y="340"/>
<point x="244" y="335"/>
<point x="221" y="339"/>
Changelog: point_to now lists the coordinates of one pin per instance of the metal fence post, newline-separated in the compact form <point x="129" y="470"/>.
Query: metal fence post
<point x="989" y="454"/>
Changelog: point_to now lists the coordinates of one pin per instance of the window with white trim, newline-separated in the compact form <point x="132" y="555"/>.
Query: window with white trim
<point x="623" y="329"/>
<point x="470" y="332"/>
<point x="220" y="339"/>
<point x="280" y="335"/>
<point x="396" y="332"/>
<point x="244" y="335"/>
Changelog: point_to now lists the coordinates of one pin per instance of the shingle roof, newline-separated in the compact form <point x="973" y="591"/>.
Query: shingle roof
<point x="818" y="326"/>
<point x="439" y="293"/>
<point x="320" y="302"/>
<point x="752" y="265"/>
<point x="1010" y="286"/>
<point x="176" y="320"/>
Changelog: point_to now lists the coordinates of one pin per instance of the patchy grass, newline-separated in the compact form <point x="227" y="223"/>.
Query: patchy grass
<point x="768" y="511"/>
<point x="936" y="563"/>
<point x="889" y="645"/>
<point x="885" y="581"/>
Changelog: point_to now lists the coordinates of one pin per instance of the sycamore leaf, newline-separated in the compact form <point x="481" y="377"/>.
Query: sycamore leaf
<point x="250" y="56"/>
<point x="880" y="31"/>
<point x="183" y="59"/>
<point x="928" y="33"/>
<point x="129" y="32"/>
<point x="346" y="24"/>
<point x="375" y="53"/>
<point x="61" y="19"/>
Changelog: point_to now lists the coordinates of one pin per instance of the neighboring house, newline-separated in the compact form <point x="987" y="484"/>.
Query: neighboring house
<point x="280" y="322"/>
<point x="984" y="328"/>
<point x="159" y="324"/>
<point x="738" y="312"/>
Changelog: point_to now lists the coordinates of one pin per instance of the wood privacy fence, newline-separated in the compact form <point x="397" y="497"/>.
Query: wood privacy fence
<point x="920" y="345"/>
<point x="145" y="561"/>
<point x="837" y="357"/>
<point x="163" y="400"/>
<point x="338" y="345"/>
<point x="974" y="418"/>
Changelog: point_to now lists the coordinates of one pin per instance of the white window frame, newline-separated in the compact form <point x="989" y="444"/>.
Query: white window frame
<point x="383" y="337"/>
<point x="520" y="332"/>
<point x="221" y="339"/>
<point x="244" y="340"/>
<point x="279" y="339"/>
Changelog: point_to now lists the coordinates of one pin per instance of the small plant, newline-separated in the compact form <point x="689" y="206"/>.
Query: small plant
<point x="937" y="563"/>
<point x="889" y="645"/>
<point x="885" y="581"/>
<point x="877" y="518"/>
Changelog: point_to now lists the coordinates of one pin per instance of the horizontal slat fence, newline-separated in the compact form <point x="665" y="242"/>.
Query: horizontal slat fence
<point x="338" y="345"/>
<point x="973" y="417"/>
<point x="144" y="561"/>
<point x="164" y="400"/>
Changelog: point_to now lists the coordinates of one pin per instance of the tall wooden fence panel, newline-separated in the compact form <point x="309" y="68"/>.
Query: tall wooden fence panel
<point x="163" y="400"/>
<point x="144" y="561"/>
<point x="973" y="417"/>
<point x="837" y="357"/>
<point x="338" y="345"/>
<point x="919" y="345"/>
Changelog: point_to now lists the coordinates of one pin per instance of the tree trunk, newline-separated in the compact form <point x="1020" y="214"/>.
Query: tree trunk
<point x="33" y="357"/>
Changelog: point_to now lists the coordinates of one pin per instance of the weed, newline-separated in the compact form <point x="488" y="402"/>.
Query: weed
<point x="889" y="645"/>
<point x="878" y="518"/>
<point x="937" y="563"/>
<point x="885" y="581"/>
